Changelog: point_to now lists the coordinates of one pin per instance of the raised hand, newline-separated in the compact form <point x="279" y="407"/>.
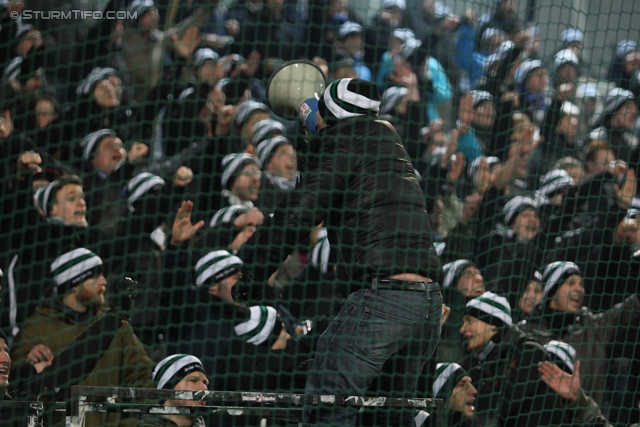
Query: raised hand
<point x="182" y="230"/>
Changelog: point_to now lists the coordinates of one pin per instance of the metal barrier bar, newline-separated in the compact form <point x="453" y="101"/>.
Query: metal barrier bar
<point x="233" y="403"/>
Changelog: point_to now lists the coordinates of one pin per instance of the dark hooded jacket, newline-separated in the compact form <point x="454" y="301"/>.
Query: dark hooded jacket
<point x="361" y="183"/>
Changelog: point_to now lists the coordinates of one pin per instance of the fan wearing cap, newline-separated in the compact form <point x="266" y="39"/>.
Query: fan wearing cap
<point x="241" y="179"/>
<point x="378" y="32"/>
<point x="532" y="296"/>
<point x="532" y="80"/>
<point x="248" y="114"/>
<point x="503" y="363"/>
<point x="362" y="184"/>
<point x="618" y="117"/>
<point x="178" y="372"/>
<point x="78" y="302"/>
<point x="349" y="44"/>
<point x="453" y="384"/>
<point x="206" y="66"/>
<point x="385" y="65"/>
<point x="560" y="316"/>
<point x="566" y="66"/>
<point x="279" y="167"/>
<point x="233" y="226"/>
<point x="473" y="134"/>
<point x="625" y="65"/>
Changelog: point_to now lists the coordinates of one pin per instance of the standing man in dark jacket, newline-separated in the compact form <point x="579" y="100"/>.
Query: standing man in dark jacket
<point x="361" y="183"/>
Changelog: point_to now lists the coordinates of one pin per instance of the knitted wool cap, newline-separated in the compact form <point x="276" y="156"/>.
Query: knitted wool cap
<point x="266" y="129"/>
<point x="475" y="164"/>
<point x="74" y="267"/>
<point x="345" y="98"/>
<point x="96" y="75"/>
<point x="268" y="147"/>
<point x="624" y="47"/>
<point x="555" y="181"/>
<point x="480" y="96"/>
<point x="43" y="198"/>
<point x="490" y="308"/>
<point x="390" y="4"/>
<point x="447" y="376"/>
<point x="227" y="215"/>
<point x="141" y="184"/>
<point x="141" y="6"/>
<point x="565" y="56"/>
<point x="246" y="109"/>
<point x="348" y="28"/>
<point x="587" y="90"/>
<point x="216" y="265"/>
<point x="256" y="330"/>
<point x="515" y="206"/>
<point x="232" y="164"/>
<point x="571" y="35"/>
<point x="204" y="54"/>
<point x="91" y="141"/>
<point x="555" y="274"/>
<point x="562" y="354"/>
<point x="525" y="69"/>
<point x="391" y="97"/>
<point x="453" y="270"/>
<point x="403" y="34"/>
<point x="171" y="370"/>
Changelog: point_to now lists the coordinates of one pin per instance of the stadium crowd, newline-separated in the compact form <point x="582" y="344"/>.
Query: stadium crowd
<point x="146" y="148"/>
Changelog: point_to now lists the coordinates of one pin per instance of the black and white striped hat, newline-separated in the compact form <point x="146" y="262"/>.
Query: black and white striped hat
<point x="204" y="54"/>
<point x="321" y="251"/>
<point x="525" y="69"/>
<point x="448" y="375"/>
<point x="516" y="205"/>
<point x="346" y="98"/>
<point x="348" y="28"/>
<point x="96" y="75"/>
<point x="453" y="270"/>
<point x="490" y="308"/>
<point x="172" y="369"/>
<point x="259" y="325"/>
<point x="571" y="35"/>
<point x="216" y="266"/>
<point x="91" y="141"/>
<point x="554" y="181"/>
<point x="43" y="199"/>
<point x="141" y="184"/>
<point x="475" y="164"/>
<point x="246" y="109"/>
<point x="565" y="56"/>
<point x="12" y="71"/>
<point x="403" y="34"/>
<point x="480" y="96"/>
<point x="74" y="267"/>
<point x="266" y="148"/>
<point x="141" y="6"/>
<point x="555" y="274"/>
<point x="232" y="164"/>
<point x="227" y="215"/>
<point x="266" y="129"/>
<point x="391" y="97"/>
<point x="562" y="354"/>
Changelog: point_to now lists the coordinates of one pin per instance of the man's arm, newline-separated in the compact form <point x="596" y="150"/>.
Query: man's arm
<point x="307" y="207"/>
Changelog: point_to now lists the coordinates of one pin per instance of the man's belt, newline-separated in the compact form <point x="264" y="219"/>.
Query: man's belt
<point x="403" y="285"/>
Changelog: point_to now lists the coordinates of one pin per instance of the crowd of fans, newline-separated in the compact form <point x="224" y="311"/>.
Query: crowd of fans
<point x="146" y="148"/>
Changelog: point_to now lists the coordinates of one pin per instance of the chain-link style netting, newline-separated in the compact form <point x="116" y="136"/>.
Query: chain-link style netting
<point x="436" y="200"/>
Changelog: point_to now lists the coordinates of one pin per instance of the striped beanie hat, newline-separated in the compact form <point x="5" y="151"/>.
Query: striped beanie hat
<point x="232" y="165"/>
<point x="447" y="376"/>
<point x="453" y="271"/>
<point x="74" y="267"/>
<point x="246" y="109"/>
<point x="562" y="354"/>
<point x="266" y="148"/>
<point x="480" y="96"/>
<point x="91" y="141"/>
<point x="348" y="28"/>
<point x="97" y="74"/>
<point x="259" y="324"/>
<point x="624" y="47"/>
<point x="172" y="369"/>
<point x="527" y="66"/>
<point x="141" y="6"/>
<point x="346" y="98"/>
<point x="475" y="164"/>
<point x="141" y="184"/>
<point x="321" y="251"/>
<point x="554" y="181"/>
<point x="565" y="56"/>
<point x="391" y="97"/>
<point x="43" y="199"/>
<point x="515" y="206"/>
<point x="204" y="54"/>
<point x="227" y="215"/>
<point x="490" y="308"/>
<point x="403" y="34"/>
<point x="266" y="129"/>
<point x="555" y="274"/>
<point x="216" y="265"/>
<point x="571" y="35"/>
